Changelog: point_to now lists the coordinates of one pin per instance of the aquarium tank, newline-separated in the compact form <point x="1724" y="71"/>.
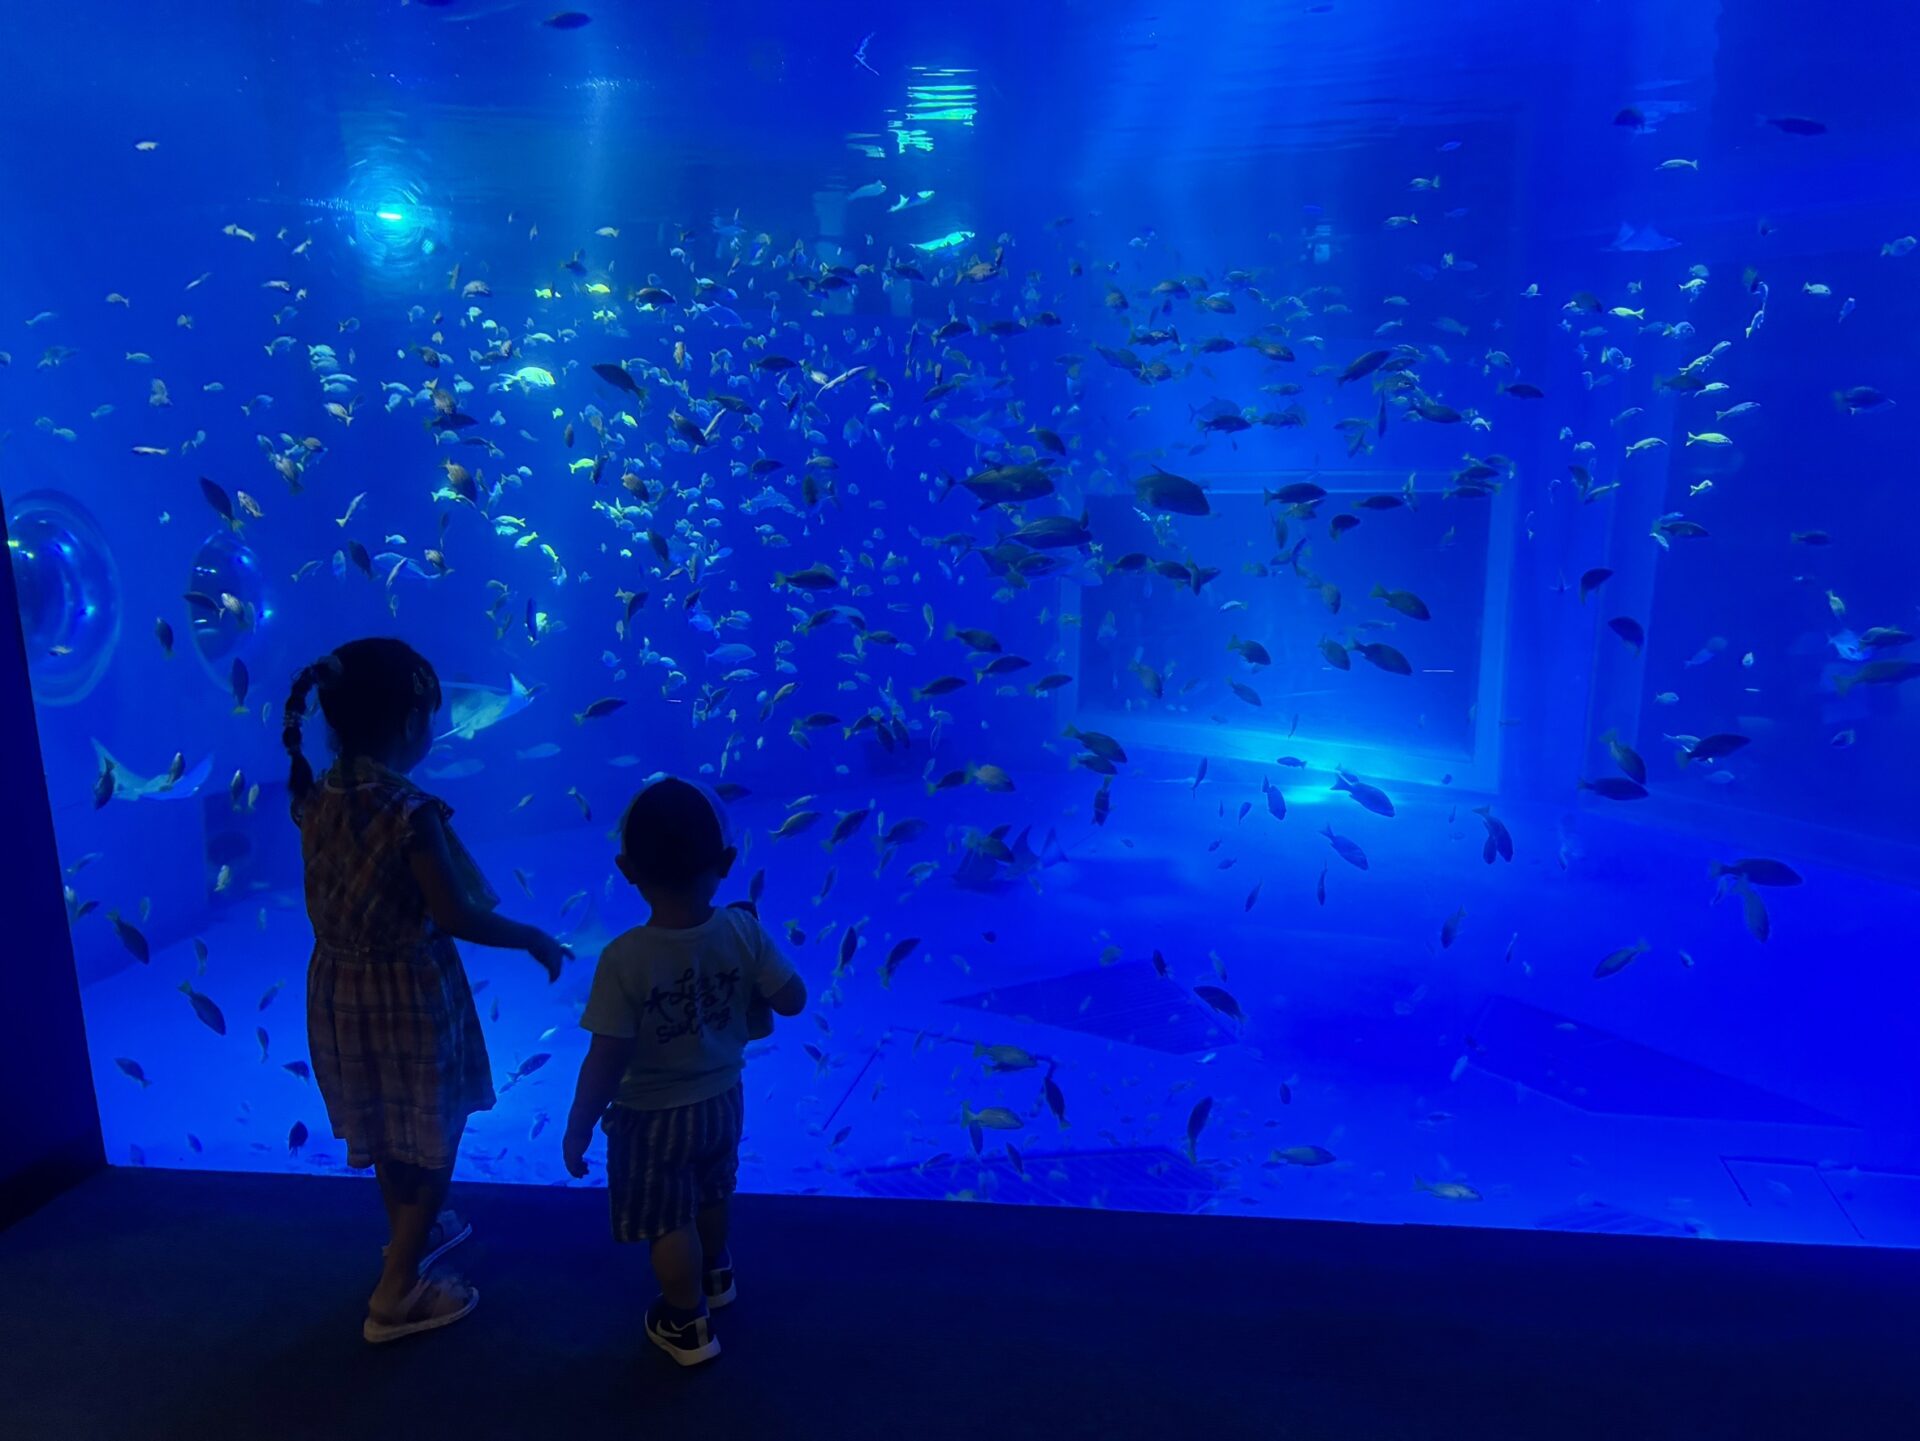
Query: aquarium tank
<point x="1304" y="610"/>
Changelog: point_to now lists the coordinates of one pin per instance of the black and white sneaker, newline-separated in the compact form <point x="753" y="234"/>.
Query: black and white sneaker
<point x="719" y="1284"/>
<point x="689" y="1342"/>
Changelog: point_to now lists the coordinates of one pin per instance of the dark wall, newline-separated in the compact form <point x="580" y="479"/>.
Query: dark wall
<point x="49" y="1123"/>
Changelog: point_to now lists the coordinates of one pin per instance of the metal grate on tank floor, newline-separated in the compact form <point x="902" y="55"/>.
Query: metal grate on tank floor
<point x="1598" y="1217"/>
<point x="1128" y="1179"/>
<point x="1128" y="1001"/>
<point x="1597" y="1071"/>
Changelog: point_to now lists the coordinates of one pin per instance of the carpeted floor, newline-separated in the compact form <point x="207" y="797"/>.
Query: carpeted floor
<point x="151" y="1304"/>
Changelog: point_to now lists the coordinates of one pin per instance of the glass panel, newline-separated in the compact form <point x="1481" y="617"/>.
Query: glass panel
<point x="724" y="396"/>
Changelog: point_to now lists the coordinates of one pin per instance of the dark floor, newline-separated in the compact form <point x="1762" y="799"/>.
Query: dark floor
<point x="152" y="1304"/>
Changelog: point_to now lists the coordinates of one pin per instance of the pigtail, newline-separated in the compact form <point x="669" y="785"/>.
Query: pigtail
<point x="369" y="691"/>
<point x="293" y="718"/>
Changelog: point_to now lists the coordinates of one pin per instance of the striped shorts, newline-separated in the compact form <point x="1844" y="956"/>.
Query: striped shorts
<point x="663" y="1167"/>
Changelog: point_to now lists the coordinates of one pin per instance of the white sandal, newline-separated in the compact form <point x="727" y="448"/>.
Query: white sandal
<point x="450" y="1236"/>
<point x="430" y="1305"/>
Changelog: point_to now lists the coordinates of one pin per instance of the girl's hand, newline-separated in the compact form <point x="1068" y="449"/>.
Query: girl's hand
<point x="573" y="1151"/>
<point x="550" y="954"/>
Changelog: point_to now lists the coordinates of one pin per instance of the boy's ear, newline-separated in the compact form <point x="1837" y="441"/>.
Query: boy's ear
<point x="727" y="858"/>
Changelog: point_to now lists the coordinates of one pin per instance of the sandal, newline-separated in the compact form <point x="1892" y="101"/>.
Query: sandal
<point x="449" y="1230"/>
<point x="429" y="1306"/>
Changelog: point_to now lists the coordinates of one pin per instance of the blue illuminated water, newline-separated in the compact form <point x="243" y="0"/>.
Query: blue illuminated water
<point x="421" y="176"/>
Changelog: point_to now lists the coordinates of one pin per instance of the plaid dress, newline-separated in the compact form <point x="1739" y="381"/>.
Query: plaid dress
<point x="392" y="1031"/>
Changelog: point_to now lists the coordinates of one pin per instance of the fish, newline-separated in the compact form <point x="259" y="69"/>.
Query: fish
<point x="1499" y="841"/>
<point x="1384" y="656"/>
<point x="1642" y="240"/>
<point x="952" y="240"/>
<point x="207" y="1011"/>
<point x="596" y="709"/>
<point x="1196" y="1123"/>
<point x="1860" y="398"/>
<point x="472" y="709"/>
<point x="1003" y="1058"/>
<point x="1626" y="758"/>
<point x="1404" y="601"/>
<point x="1447" y="1190"/>
<point x="1306" y="1156"/>
<point x="1104" y="746"/>
<point x="813" y="578"/>
<point x="795" y="823"/>
<point x="1757" y="871"/>
<point x="992" y="1118"/>
<point x="1221" y="1001"/>
<point x="845" y="826"/>
<point x="1616" y="961"/>
<point x="1878" y="672"/>
<point x="1346" y="849"/>
<point x="620" y="378"/>
<point x="1713" y="747"/>
<point x="1369" y="797"/>
<point x="526" y="1068"/>
<point x="1162" y="490"/>
<point x="989" y="777"/>
<point x="901" y="951"/>
<point x="169" y="785"/>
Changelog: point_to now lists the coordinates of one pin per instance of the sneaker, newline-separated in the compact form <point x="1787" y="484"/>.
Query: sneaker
<point x="689" y="1342"/>
<point x="719" y="1285"/>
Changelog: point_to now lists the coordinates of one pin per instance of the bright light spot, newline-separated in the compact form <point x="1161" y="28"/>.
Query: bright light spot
<point x="390" y="216"/>
<point x="937" y="95"/>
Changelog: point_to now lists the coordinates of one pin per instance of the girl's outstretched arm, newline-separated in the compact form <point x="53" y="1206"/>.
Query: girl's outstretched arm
<point x="454" y="912"/>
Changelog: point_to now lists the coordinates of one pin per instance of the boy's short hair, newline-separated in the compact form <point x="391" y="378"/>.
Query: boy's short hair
<point x="674" y="833"/>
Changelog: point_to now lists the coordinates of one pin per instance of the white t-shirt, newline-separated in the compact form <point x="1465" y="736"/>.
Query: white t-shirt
<point x="682" y="997"/>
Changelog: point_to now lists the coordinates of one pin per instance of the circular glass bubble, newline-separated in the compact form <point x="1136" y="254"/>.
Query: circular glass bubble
<point x="228" y="605"/>
<point x="69" y="594"/>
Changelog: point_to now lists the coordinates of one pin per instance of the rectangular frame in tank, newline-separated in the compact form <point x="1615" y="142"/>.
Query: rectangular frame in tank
<point x="1475" y="765"/>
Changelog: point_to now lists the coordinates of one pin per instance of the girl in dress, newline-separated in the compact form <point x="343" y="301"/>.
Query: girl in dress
<point x="395" y="1041"/>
